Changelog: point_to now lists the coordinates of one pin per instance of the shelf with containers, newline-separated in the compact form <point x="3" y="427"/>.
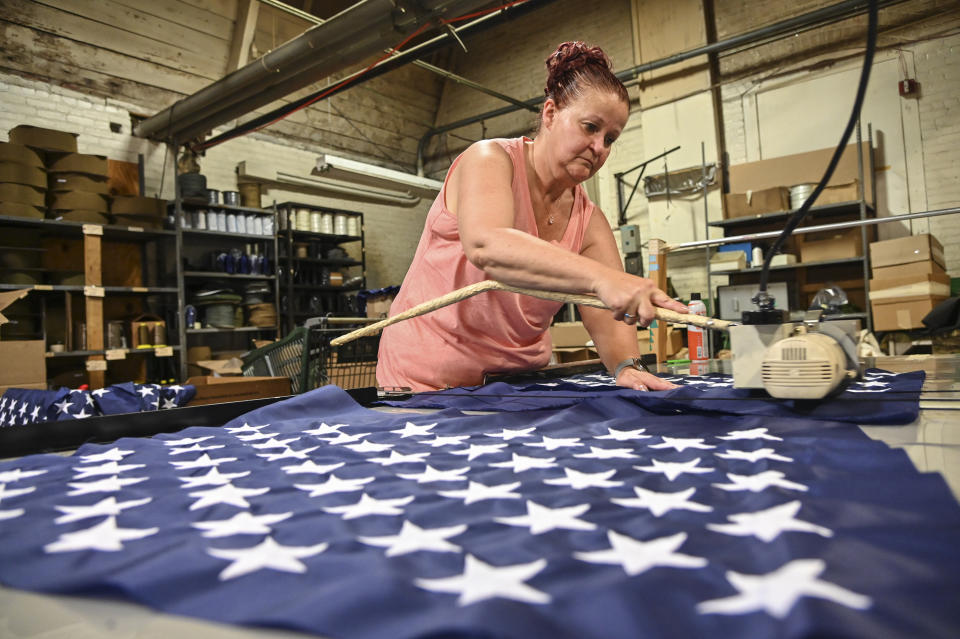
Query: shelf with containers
<point x="323" y="258"/>
<point x="86" y="283"/>
<point x="227" y="277"/>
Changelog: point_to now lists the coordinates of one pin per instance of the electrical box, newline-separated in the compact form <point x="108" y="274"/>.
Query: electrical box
<point x="630" y="238"/>
<point x="733" y="300"/>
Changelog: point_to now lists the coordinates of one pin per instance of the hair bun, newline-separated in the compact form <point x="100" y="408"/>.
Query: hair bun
<point x="569" y="59"/>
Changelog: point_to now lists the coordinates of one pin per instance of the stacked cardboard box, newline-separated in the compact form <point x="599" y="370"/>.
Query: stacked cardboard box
<point x="78" y="187"/>
<point x="29" y="369"/>
<point x="23" y="181"/>
<point x="909" y="279"/>
<point x="132" y="210"/>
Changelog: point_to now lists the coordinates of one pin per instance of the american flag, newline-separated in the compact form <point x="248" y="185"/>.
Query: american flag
<point x="600" y="519"/>
<point x="20" y="406"/>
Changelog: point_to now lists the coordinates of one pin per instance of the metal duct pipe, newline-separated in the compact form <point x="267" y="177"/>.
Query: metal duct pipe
<point x="362" y="30"/>
<point x="631" y="76"/>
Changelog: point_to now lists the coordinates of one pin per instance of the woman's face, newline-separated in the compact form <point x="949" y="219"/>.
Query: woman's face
<point x="583" y="132"/>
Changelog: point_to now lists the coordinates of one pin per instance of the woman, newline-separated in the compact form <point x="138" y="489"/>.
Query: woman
<point x="514" y="210"/>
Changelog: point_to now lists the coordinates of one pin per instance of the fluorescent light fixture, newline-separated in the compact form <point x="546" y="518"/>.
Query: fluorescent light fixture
<point x="266" y="175"/>
<point x="376" y="176"/>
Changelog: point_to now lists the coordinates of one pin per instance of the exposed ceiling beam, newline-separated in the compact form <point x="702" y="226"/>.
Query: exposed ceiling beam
<point x="243" y="31"/>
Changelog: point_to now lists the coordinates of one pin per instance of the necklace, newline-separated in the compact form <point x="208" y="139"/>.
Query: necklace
<point x="550" y="220"/>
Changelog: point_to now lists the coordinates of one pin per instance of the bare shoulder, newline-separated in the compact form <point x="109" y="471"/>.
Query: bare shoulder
<point x="483" y="164"/>
<point x="486" y="152"/>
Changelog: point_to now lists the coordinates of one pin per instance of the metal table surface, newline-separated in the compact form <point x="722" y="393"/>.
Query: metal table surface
<point x="932" y="442"/>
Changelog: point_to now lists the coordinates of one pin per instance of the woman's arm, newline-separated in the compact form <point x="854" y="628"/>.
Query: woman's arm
<point x="482" y="199"/>
<point x="616" y="341"/>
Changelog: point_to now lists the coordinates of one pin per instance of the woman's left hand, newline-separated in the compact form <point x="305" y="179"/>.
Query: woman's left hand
<point x="641" y="380"/>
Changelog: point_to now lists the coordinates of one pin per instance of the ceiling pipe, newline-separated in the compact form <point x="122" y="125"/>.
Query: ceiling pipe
<point x="631" y="76"/>
<point x="345" y="39"/>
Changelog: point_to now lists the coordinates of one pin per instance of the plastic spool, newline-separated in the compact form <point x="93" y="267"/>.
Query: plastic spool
<point x="799" y="195"/>
<point x="241" y="223"/>
<point x="303" y="220"/>
<point x="326" y="223"/>
<point x="231" y="223"/>
<point x="267" y="221"/>
<point x="353" y="226"/>
<point x="315" y="222"/>
<point x="340" y="224"/>
<point x="222" y="221"/>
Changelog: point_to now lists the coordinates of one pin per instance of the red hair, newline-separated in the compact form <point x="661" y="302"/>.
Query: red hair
<point x="573" y="66"/>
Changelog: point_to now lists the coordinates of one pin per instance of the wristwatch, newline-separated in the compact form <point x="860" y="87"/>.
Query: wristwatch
<point x="630" y="362"/>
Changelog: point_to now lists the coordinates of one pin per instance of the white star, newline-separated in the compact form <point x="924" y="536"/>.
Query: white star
<point x="252" y="437"/>
<point x="624" y="435"/>
<point x="203" y="461"/>
<point x="445" y="440"/>
<point x="661" y="503"/>
<point x="768" y="524"/>
<point x="310" y="466"/>
<point x="346" y="438"/>
<point x="176" y="388"/>
<point x="82" y="414"/>
<point x="14" y="492"/>
<point x="754" y="455"/>
<point x="519" y="463"/>
<point x="637" y="556"/>
<point x="508" y="434"/>
<point x="196" y="448"/>
<point x="212" y="477"/>
<point x="107" y="506"/>
<point x="553" y="443"/>
<point x="753" y="433"/>
<point x="243" y="523"/>
<point x="481" y="581"/>
<point x="23" y="409"/>
<point x="414" y="430"/>
<point x="478" y="492"/>
<point x="324" y="429"/>
<point x="144" y="391"/>
<point x="275" y="443"/>
<point x="367" y="446"/>
<point x="225" y="494"/>
<point x="370" y="506"/>
<point x="100" y="392"/>
<point x="760" y="481"/>
<point x="11" y="514"/>
<point x="776" y="592"/>
<point x="542" y="519"/>
<point x="413" y="538"/>
<point x="476" y="450"/>
<point x="576" y="479"/>
<point x="433" y="474"/>
<point x="246" y="428"/>
<point x="288" y="453"/>
<point x="114" y="454"/>
<point x="104" y="536"/>
<point x="607" y="453"/>
<point x="674" y="469"/>
<point x="36" y="413"/>
<point x="17" y="474"/>
<point x="108" y="485"/>
<point x="680" y="444"/>
<point x="186" y="441"/>
<point x="398" y="458"/>
<point x="335" y="485"/>
<point x="266" y="554"/>
<point x="107" y="468"/>
<point x="89" y="399"/>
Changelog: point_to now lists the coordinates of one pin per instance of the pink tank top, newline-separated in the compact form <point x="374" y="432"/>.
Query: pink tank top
<point x="489" y="333"/>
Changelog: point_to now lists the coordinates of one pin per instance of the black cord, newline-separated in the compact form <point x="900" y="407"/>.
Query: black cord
<point x="762" y="299"/>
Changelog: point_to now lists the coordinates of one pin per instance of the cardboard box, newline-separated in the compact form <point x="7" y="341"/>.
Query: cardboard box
<point x="830" y="245"/>
<point x="217" y="390"/>
<point x="904" y="250"/>
<point x="903" y="313"/>
<point x="18" y="209"/>
<point x="22" y="194"/>
<point x="142" y="221"/>
<point x="20" y="154"/>
<point x="782" y="259"/>
<point x="16" y="173"/>
<point x="94" y="165"/>
<point x="379" y="305"/>
<point x="135" y="205"/>
<point x="645" y="341"/>
<point x="29" y="356"/>
<point x="569" y="334"/>
<point x="37" y="386"/>
<point x="46" y="139"/>
<point x="77" y="182"/>
<point x="926" y="285"/>
<point x="728" y="261"/>
<point x="838" y="194"/>
<point x="913" y="269"/>
<point x="756" y="202"/>
<point x="567" y="354"/>
<point x="81" y="215"/>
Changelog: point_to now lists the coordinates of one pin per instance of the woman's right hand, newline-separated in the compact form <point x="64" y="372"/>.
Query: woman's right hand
<point x="632" y="299"/>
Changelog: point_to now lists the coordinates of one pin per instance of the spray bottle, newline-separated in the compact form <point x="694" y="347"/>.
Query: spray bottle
<point x="695" y="336"/>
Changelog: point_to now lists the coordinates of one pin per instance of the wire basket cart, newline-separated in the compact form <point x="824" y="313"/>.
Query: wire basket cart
<point x="286" y="357"/>
<point x="351" y="365"/>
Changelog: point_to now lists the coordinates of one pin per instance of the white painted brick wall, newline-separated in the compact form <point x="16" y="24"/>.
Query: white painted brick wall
<point x="392" y="232"/>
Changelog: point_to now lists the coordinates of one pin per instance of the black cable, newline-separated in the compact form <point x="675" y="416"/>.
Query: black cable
<point x="762" y="299"/>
